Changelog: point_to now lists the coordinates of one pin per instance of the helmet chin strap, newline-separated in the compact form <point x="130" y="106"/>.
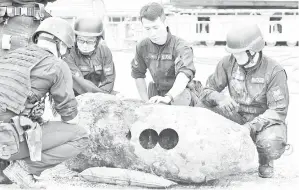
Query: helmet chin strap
<point x="250" y="58"/>
<point x="55" y="41"/>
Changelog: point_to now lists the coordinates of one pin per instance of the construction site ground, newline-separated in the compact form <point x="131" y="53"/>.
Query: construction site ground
<point x="286" y="168"/>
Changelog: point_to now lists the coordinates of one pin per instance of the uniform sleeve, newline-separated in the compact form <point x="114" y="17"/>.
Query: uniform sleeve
<point x="62" y="92"/>
<point x="71" y="61"/>
<point x="109" y="72"/>
<point x="80" y="85"/>
<point x="277" y="101"/>
<point x="184" y="59"/>
<point x="138" y="65"/>
<point x="215" y="83"/>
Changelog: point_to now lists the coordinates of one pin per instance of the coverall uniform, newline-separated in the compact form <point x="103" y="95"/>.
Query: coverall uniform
<point x="263" y="97"/>
<point x="94" y="73"/>
<point x="164" y="63"/>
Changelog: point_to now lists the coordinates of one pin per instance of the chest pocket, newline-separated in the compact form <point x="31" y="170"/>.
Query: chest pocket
<point x="238" y="89"/>
<point x="85" y="69"/>
<point x="98" y="69"/>
<point x="257" y="88"/>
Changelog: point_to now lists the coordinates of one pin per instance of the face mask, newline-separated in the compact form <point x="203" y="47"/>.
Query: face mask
<point x="241" y="58"/>
<point x="85" y="45"/>
<point x="245" y="59"/>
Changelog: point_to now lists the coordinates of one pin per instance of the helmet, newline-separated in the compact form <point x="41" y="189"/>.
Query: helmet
<point x="89" y="26"/>
<point x="57" y="27"/>
<point x="241" y="38"/>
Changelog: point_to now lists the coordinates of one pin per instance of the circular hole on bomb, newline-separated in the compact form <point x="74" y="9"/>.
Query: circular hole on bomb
<point x="168" y="139"/>
<point x="148" y="138"/>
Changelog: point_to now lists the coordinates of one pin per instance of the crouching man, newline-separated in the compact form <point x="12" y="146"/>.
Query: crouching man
<point x="169" y="60"/>
<point x="90" y="61"/>
<point x="27" y="75"/>
<point x="258" y="90"/>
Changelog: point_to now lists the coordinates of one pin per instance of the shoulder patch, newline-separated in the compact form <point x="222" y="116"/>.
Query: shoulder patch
<point x="134" y="63"/>
<point x="277" y="94"/>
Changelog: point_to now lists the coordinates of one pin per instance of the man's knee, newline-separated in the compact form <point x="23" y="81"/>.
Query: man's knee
<point x="82" y="138"/>
<point x="271" y="142"/>
<point x="184" y="99"/>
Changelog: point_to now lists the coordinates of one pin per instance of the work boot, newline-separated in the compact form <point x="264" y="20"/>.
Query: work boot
<point x="17" y="172"/>
<point x="266" y="170"/>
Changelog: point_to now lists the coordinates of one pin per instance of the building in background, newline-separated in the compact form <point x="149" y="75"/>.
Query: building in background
<point x="208" y="21"/>
<point x="197" y="21"/>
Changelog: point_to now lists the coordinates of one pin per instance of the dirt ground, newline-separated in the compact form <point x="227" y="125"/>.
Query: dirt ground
<point x="286" y="168"/>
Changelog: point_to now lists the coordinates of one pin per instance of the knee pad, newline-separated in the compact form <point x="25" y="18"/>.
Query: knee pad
<point x="271" y="149"/>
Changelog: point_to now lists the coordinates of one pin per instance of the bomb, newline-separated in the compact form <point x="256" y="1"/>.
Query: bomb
<point x="183" y="144"/>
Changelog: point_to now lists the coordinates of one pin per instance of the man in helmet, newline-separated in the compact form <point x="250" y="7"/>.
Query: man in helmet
<point x="169" y="60"/>
<point x="258" y="90"/>
<point x="18" y="20"/>
<point x="33" y="72"/>
<point x="90" y="61"/>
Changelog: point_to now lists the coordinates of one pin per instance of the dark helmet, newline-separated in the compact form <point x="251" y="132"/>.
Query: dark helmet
<point x="57" y="27"/>
<point x="89" y="26"/>
<point x="244" y="37"/>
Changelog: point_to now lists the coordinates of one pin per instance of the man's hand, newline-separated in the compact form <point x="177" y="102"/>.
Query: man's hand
<point x="160" y="100"/>
<point x="228" y="105"/>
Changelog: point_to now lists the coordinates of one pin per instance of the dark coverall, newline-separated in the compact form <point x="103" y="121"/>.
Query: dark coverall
<point x="164" y="62"/>
<point x="60" y="140"/>
<point x="94" y="73"/>
<point x="18" y="21"/>
<point x="263" y="98"/>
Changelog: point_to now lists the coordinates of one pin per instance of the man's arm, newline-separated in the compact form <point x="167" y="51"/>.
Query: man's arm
<point x="184" y="68"/>
<point x="142" y="89"/>
<point x="80" y="85"/>
<point x="109" y="73"/>
<point x="62" y="92"/>
<point x="138" y="71"/>
<point x="215" y="84"/>
<point x="278" y="103"/>
<point x="179" y="85"/>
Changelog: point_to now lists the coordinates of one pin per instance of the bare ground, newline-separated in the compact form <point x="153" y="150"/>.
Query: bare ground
<point x="286" y="168"/>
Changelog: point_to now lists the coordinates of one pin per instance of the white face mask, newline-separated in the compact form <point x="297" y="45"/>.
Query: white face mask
<point x="241" y="58"/>
<point x="85" y="44"/>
